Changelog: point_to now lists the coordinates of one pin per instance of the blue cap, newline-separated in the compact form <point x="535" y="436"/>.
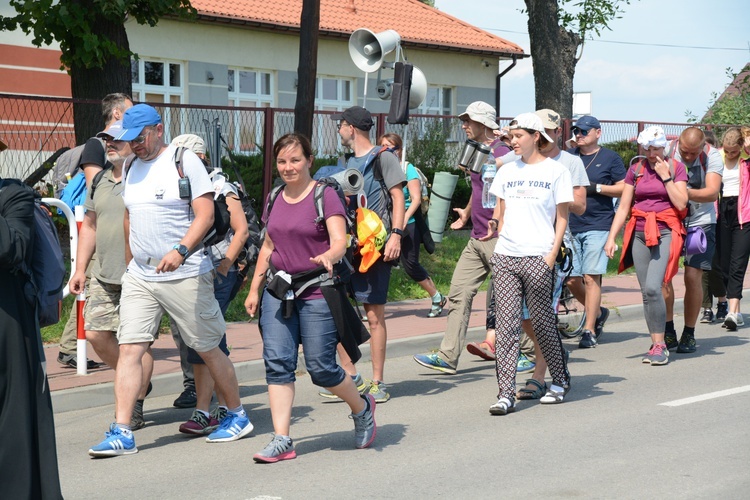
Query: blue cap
<point x="587" y="123"/>
<point x="135" y="118"/>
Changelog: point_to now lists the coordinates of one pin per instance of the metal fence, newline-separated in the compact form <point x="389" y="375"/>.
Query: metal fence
<point x="34" y="128"/>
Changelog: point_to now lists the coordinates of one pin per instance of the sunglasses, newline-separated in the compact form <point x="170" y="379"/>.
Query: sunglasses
<point x="580" y="131"/>
<point x="141" y="138"/>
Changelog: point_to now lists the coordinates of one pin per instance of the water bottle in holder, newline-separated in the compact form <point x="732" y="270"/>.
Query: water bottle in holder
<point x="488" y="175"/>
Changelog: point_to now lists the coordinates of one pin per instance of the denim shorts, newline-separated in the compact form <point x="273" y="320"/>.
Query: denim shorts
<point x="588" y="253"/>
<point x="372" y="286"/>
<point x="703" y="260"/>
<point x="311" y="324"/>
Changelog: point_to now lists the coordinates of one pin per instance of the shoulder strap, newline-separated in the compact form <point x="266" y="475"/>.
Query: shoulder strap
<point x="178" y="160"/>
<point x="272" y="198"/>
<point x="96" y="180"/>
<point x="320" y="188"/>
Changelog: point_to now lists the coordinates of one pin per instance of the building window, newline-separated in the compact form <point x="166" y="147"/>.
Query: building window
<point x="157" y="82"/>
<point x="333" y="94"/>
<point x="248" y="88"/>
<point x="438" y="101"/>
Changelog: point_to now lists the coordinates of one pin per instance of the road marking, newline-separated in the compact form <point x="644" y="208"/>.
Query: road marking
<point x="705" y="397"/>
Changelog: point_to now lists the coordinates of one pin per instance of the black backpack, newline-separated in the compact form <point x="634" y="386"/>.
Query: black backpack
<point x="46" y="272"/>
<point x="249" y="254"/>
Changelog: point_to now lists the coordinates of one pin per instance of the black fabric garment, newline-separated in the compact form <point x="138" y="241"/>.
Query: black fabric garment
<point x="424" y="231"/>
<point x="28" y="453"/>
<point x="352" y="332"/>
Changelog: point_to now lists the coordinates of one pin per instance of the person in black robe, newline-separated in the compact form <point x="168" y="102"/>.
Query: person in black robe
<point x="28" y="453"/>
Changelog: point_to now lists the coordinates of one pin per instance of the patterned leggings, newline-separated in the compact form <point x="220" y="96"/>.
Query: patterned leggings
<point x="513" y="279"/>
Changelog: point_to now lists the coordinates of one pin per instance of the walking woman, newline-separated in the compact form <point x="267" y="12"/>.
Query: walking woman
<point x="412" y="239"/>
<point x="294" y="244"/>
<point x="530" y="217"/>
<point x="655" y="197"/>
<point x="733" y="228"/>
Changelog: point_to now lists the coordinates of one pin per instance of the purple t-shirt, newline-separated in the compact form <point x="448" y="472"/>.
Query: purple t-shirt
<point x="650" y="193"/>
<point x="481" y="216"/>
<point x="295" y="235"/>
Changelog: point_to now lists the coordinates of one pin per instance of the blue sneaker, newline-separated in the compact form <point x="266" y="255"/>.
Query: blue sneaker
<point x="524" y="365"/>
<point x="231" y="428"/>
<point x="115" y="443"/>
<point x="435" y="362"/>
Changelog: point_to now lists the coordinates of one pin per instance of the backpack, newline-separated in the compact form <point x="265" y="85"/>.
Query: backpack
<point x="221" y="225"/>
<point x="702" y="159"/>
<point x="249" y="254"/>
<point x="424" y="184"/>
<point x="46" y="272"/>
<point x="69" y="186"/>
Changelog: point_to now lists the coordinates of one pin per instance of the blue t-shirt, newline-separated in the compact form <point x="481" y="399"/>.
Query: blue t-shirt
<point x="603" y="167"/>
<point x="411" y="174"/>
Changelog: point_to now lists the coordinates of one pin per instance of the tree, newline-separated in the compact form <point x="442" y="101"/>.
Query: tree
<point x="733" y="105"/>
<point x="307" y="68"/>
<point x="93" y="42"/>
<point x="557" y="37"/>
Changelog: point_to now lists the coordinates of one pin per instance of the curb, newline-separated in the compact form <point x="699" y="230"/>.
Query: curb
<point x="168" y="384"/>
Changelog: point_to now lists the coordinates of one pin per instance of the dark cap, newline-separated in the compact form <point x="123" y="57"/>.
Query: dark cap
<point x="587" y="123"/>
<point x="357" y="116"/>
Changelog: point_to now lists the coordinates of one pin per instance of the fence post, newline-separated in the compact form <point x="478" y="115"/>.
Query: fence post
<point x="268" y="128"/>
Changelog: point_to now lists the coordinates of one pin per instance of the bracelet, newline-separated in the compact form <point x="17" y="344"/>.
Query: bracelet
<point x="668" y="179"/>
<point x="497" y="223"/>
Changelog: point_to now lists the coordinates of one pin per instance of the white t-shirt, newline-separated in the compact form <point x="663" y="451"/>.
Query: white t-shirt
<point x="574" y="164"/>
<point x="159" y="219"/>
<point x="531" y="193"/>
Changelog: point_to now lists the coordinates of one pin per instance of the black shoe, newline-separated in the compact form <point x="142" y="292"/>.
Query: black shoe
<point x="149" y="389"/>
<point x="687" y="343"/>
<point x="722" y="308"/>
<point x="708" y="316"/>
<point x="588" y="340"/>
<point x="136" y="420"/>
<point x="187" y="399"/>
<point x="599" y="325"/>
<point x="71" y="361"/>
<point x="670" y="338"/>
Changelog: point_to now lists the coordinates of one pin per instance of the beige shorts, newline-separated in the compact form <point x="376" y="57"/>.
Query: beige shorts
<point x="102" y="310"/>
<point x="190" y="302"/>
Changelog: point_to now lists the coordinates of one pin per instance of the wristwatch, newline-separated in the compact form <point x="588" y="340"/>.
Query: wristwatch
<point x="598" y="188"/>
<point x="181" y="249"/>
<point x="397" y="231"/>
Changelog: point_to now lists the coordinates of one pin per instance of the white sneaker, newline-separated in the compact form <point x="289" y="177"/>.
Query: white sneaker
<point x="740" y="319"/>
<point x="731" y="322"/>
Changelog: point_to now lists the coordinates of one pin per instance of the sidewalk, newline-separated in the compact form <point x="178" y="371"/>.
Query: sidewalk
<point x="405" y="320"/>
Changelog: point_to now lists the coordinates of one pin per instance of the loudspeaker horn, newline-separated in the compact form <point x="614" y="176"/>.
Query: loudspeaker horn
<point x="418" y="88"/>
<point x="367" y="49"/>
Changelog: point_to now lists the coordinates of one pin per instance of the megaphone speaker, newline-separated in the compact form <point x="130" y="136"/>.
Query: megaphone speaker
<point x="367" y="49"/>
<point x="418" y="90"/>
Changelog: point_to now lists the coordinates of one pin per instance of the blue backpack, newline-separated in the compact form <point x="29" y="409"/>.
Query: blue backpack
<point x="47" y="270"/>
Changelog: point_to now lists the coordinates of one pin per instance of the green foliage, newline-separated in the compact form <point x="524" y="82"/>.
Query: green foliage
<point x="74" y="25"/>
<point x="626" y="149"/>
<point x="586" y="16"/>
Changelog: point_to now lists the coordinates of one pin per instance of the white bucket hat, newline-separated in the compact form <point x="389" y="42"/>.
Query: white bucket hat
<point x="481" y="112"/>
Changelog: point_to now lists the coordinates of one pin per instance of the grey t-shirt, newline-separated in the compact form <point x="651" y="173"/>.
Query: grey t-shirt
<point x="392" y="175"/>
<point x="700" y="213"/>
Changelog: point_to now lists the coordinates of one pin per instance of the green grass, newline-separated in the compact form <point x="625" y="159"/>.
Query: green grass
<point x="439" y="265"/>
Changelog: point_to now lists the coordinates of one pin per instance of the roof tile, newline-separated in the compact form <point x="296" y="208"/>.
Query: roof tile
<point x="416" y="22"/>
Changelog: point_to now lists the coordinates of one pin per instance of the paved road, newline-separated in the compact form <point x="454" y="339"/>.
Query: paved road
<point x="615" y="437"/>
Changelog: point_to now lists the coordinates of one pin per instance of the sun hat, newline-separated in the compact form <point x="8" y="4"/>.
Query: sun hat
<point x="529" y="121"/>
<point x="481" y="112"/>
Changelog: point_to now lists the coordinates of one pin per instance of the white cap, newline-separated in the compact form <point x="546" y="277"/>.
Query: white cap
<point x="529" y="121"/>
<point x="652" y="136"/>
<point x="481" y="112"/>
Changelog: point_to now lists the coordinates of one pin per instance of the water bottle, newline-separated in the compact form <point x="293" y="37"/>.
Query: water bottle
<point x="488" y="175"/>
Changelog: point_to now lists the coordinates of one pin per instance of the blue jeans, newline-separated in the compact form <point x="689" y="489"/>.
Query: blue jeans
<point x="312" y="325"/>
<point x="222" y="291"/>
<point x="588" y="253"/>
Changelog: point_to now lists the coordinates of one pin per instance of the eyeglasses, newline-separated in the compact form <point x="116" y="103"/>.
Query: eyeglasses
<point x="343" y="124"/>
<point x="141" y="138"/>
<point x="577" y="131"/>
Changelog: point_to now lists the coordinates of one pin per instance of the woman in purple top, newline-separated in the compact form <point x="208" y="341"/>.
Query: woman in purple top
<point x="295" y="243"/>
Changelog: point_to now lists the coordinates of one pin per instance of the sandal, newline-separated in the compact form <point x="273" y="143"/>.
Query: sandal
<point x="555" y="394"/>
<point x="536" y="392"/>
<point x="437" y="307"/>
<point x="482" y="349"/>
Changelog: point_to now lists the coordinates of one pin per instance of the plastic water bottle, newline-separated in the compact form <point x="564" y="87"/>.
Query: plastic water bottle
<point x="488" y="175"/>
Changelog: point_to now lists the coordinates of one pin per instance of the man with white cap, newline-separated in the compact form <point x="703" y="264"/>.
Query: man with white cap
<point x="705" y="168"/>
<point x="473" y="266"/>
<point x="166" y="217"/>
<point x="606" y="173"/>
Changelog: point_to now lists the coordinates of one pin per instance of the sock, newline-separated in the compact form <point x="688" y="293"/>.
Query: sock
<point x="690" y="330"/>
<point x="669" y="327"/>
<point x="238" y="411"/>
<point x="125" y="428"/>
<point x="204" y="413"/>
<point x="223" y="408"/>
<point x="437" y="297"/>
<point x="367" y="407"/>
